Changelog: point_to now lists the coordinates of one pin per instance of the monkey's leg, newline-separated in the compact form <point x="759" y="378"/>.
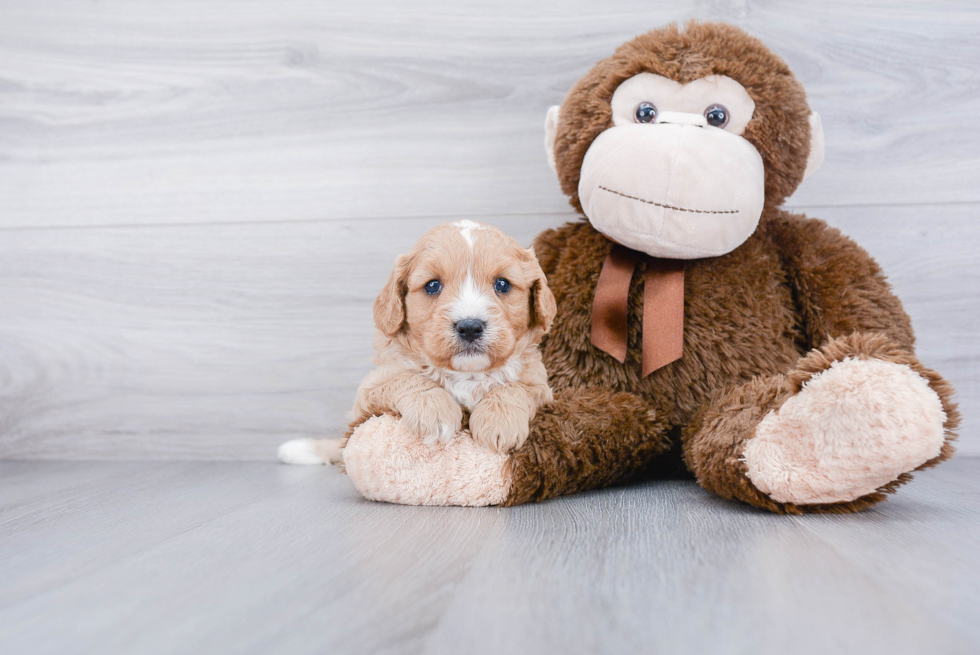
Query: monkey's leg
<point x="836" y="434"/>
<point x="586" y="439"/>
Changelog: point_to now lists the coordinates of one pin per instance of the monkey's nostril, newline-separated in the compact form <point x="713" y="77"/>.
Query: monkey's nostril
<point x="470" y="329"/>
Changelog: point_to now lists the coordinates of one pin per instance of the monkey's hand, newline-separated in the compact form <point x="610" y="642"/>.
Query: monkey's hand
<point x="432" y="414"/>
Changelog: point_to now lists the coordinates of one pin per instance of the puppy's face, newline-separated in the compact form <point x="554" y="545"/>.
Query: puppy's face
<point x="466" y="298"/>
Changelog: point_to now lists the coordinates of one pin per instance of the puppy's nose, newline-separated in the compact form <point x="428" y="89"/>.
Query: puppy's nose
<point x="470" y="329"/>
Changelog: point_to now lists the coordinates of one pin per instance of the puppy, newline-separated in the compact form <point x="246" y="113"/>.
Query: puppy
<point x="458" y="325"/>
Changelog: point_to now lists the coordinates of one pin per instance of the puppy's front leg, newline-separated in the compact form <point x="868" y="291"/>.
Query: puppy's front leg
<point x="500" y="420"/>
<point x="431" y="413"/>
<point x="425" y="408"/>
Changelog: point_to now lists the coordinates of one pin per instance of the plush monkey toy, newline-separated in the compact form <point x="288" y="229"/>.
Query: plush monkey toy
<point x="700" y="328"/>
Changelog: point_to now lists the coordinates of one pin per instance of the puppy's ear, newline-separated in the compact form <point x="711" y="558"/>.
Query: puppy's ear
<point x="543" y="306"/>
<point x="389" y="306"/>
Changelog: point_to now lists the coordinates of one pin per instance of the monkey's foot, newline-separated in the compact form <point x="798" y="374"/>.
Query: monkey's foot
<point x="388" y="463"/>
<point x="851" y="429"/>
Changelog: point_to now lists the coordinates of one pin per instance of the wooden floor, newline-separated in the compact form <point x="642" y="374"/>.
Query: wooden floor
<point x="221" y="557"/>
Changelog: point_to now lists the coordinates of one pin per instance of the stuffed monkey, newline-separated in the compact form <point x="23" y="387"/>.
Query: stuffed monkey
<point x="701" y="328"/>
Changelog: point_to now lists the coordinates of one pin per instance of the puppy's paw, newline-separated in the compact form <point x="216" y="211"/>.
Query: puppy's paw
<point x="310" y="451"/>
<point x="433" y="415"/>
<point x="498" y="425"/>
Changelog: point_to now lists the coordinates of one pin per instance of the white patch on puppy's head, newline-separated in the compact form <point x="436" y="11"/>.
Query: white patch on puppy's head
<point x="466" y="228"/>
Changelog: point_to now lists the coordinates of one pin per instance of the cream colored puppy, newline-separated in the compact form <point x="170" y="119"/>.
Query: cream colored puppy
<point x="458" y="325"/>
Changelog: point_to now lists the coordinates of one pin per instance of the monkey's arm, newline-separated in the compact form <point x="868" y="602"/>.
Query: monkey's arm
<point x="585" y="439"/>
<point x="839" y="289"/>
<point x="846" y="303"/>
<point x="855" y="415"/>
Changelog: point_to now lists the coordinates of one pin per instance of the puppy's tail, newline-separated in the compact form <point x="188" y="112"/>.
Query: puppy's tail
<point x="311" y="451"/>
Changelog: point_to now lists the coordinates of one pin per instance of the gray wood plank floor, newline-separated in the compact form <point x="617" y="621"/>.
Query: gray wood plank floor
<point x="210" y="557"/>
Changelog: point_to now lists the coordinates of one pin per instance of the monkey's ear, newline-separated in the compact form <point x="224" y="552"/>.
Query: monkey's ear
<point x="550" y="131"/>
<point x="816" y="146"/>
<point x="543" y="305"/>
<point x="389" y="306"/>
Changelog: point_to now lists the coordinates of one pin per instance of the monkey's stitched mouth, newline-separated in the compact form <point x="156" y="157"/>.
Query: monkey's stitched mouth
<point x="665" y="206"/>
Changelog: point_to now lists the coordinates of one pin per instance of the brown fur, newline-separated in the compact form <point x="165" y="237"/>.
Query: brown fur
<point x="759" y="321"/>
<point x="779" y="129"/>
<point x="556" y="460"/>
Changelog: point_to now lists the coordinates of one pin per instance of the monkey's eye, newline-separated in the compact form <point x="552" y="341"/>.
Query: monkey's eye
<point x="501" y="285"/>
<point x="645" y="113"/>
<point x="717" y="116"/>
<point x="432" y="287"/>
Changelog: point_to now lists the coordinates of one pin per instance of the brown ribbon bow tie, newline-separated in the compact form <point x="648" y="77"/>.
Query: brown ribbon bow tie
<point x="663" y="307"/>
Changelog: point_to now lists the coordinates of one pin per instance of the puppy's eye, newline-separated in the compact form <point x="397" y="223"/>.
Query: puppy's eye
<point x="432" y="287"/>
<point x="501" y="285"/>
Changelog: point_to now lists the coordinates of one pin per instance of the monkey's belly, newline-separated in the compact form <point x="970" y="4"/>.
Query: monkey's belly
<point x="739" y="322"/>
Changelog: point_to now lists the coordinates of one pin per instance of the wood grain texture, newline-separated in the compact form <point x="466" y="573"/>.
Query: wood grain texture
<point x="221" y="341"/>
<point x="199" y="201"/>
<point x="213" y="342"/>
<point x="259" y="558"/>
<point x="145" y="113"/>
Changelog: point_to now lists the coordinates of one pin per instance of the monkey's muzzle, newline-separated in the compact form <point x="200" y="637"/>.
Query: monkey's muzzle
<point x="676" y="189"/>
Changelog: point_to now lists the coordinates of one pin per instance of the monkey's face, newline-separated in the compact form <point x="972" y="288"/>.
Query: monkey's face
<point x="673" y="177"/>
<point x="677" y="166"/>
